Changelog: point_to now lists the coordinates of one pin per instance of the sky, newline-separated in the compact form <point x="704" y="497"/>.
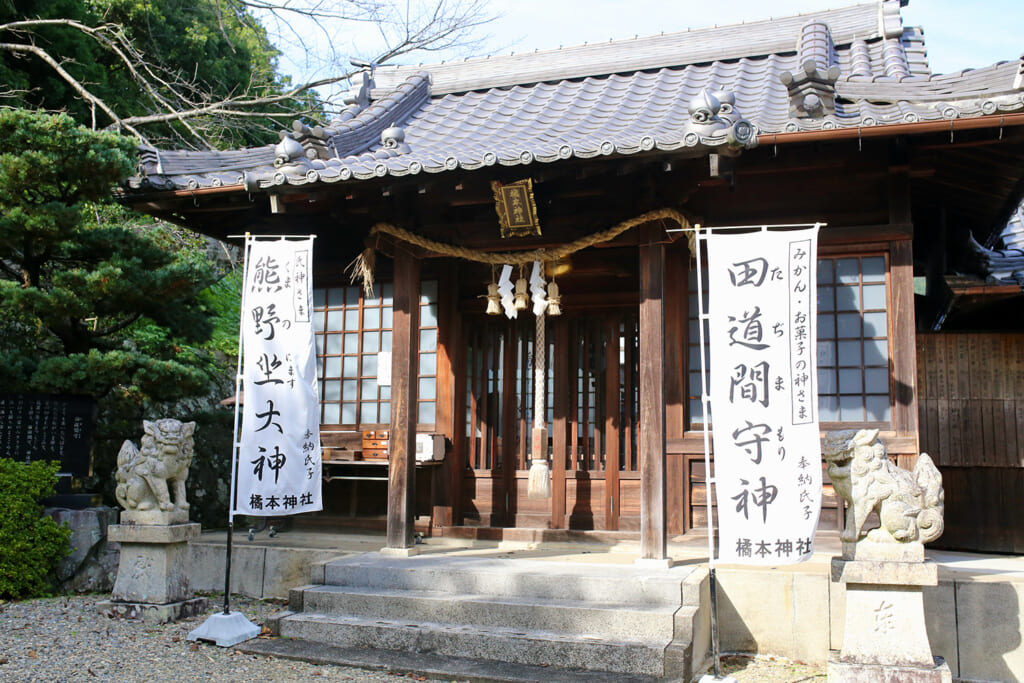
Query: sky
<point x="958" y="34"/>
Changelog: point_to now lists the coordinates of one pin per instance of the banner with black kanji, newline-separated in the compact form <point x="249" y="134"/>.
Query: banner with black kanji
<point x="763" y="389"/>
<point x="278" y="467"/>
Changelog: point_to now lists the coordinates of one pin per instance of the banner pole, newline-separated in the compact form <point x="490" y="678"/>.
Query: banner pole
<point x="236" y="444"/>
<point x="705" y="404"/>
<point x="227" y="565"/>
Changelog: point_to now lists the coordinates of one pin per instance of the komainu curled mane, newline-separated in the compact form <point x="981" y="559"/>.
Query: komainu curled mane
<point x="147" y="477"/>
<point x="909" y="504"/>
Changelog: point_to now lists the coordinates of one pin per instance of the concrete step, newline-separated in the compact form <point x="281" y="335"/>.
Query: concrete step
<point x="604" y="584"/>
<point x="565" y="616"/>
<point x="518" y="646"/>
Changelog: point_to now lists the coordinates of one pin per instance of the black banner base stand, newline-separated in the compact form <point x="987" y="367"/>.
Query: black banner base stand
<point x="226" y="628"/>
<point x="716" y="676"/>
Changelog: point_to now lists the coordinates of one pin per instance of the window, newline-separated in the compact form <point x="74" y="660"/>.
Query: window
<point x="352" y="330"/>
<point x="853" y="341"/>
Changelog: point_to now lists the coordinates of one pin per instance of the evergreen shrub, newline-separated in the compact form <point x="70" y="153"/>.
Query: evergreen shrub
<point x="31" y="544"/>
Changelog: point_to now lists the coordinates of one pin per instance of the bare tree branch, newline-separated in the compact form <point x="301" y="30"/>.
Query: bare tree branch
<point x="321" y="28"/>
<point x="72" y="81"/>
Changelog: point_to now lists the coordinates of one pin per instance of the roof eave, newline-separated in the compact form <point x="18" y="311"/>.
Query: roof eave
<point x="892" y="129"/>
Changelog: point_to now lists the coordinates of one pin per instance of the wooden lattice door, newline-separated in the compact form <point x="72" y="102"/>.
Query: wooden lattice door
<point x="591" y="407"/>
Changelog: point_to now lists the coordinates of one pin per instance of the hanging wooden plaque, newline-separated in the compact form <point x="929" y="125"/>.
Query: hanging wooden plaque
<point x="516" y="207"/>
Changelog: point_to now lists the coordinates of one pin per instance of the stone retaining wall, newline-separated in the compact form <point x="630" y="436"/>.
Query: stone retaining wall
<point x="92" y="564"/>
<point x="975" y="623"/>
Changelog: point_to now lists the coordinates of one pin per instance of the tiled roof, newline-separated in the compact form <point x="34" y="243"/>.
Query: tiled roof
<point x="1006" y="265"/>
<point x="700" y="46"/>
<point x="689" y="92"/>
<point x="1013" y="235"/>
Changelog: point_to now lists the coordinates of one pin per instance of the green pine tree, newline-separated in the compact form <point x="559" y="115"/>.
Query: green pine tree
<point x="89" y="304"/>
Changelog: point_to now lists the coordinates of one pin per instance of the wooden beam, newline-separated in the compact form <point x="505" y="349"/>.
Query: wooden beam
<point x="895" y="444"/>
<point x="860" y="234"/>
<point x="653" y="539"/>
<point x="404" y="371"/>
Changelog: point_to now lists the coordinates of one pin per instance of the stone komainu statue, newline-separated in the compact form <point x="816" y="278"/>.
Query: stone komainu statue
<point x="146" y="477"/>
<point x="909" y="504"/>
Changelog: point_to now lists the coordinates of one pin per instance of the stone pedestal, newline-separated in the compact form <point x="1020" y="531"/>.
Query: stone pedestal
<point x="155" y="517"/>
<point x="152" y="577"/>
<point x="885" y="640"/>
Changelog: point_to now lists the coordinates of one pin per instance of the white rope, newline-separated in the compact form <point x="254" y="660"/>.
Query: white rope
<point x="539" y="482"/>
<point x="539" y="375"/>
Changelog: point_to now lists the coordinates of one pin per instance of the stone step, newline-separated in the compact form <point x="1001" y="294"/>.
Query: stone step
<point x="431" y="666"/>
<point x="518" y="646"/>
<point x="565" y="616"/>
<point x="604" y="584"/>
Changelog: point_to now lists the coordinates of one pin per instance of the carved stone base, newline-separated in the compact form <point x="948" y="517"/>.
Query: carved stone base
<point x="153" y="569"/>
<point x="884" y="552"/>
<point x="154" y="614"/>
<point x="885" y="628"/>
<point x="155" y="517"/>
<point x="852" y="672"/>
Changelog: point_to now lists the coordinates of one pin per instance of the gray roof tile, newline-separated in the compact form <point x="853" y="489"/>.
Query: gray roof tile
<point x="1006" y="265"/>
<point x="651" y="52"/>
<point x="621" y="97"/>
<point x="1013" y="235"/>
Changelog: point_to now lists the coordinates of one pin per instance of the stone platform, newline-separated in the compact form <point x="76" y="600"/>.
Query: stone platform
<point x="975" y="615"/>
<point x="606" y="619"/>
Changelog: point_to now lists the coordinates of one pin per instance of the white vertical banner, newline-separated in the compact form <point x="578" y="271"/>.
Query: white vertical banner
<point x="764" y="397"/>
<point x="278" y="459"/>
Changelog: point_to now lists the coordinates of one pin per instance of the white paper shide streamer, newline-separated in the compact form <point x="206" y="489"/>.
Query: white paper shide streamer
<point x="764" y="399"/>
<point x="278" y="467"/>
<point x="538" y="289"/>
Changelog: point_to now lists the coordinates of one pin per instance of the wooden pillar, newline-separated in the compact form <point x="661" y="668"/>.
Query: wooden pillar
<point x="613" y="497"/>
<point x="507" y="490"/>
<point x="449" y="420"/>
<point x="404" y="371"/>
<point x="904" y="355"/>
<point x="901" y="278"/>
<point x="559" y="429"/>
<point x="676" y="333"/>
<point x="653" y="538"/>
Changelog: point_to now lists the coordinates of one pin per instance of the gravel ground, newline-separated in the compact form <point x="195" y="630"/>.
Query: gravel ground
<point x="66" y="639"/>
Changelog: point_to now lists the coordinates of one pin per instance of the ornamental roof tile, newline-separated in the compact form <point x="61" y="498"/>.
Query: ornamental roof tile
<point x="851" y="67"/>
<point x="1013" y="235"/>
<point x="999" y="266"/>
